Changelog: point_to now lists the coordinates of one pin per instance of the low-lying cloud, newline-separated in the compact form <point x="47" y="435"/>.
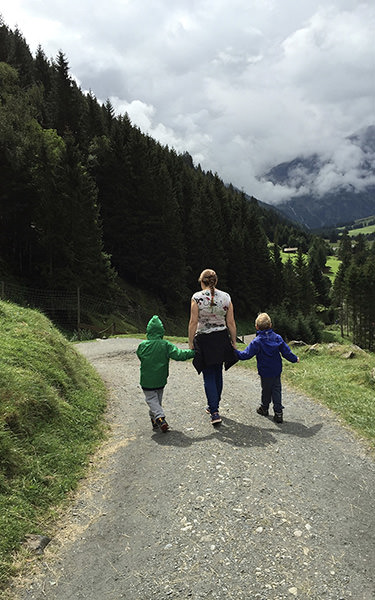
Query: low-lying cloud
<point x="241" y="86"/>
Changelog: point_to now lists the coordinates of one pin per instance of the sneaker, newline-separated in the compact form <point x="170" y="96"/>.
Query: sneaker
<point x="162" y="424"/>
<point x="262" y="411"/>
<point x="215" y="418"/>
<point x="154" y="423"/>
<point x="207" y="409"/>
<point x="278" y="417"/>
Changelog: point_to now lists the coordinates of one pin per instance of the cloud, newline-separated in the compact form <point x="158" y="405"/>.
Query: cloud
<point x="241" y="86"/>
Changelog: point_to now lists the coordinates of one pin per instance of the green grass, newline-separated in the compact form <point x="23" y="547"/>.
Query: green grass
<point x="51" y="407"/>
<point x="332" y="264"/>
<point x="362" y="230"/>
<point x="345" y="385"/>
<point x="332" y="334"/>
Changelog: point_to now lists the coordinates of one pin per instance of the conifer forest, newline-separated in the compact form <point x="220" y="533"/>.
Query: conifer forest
<point x="88" y="200"/>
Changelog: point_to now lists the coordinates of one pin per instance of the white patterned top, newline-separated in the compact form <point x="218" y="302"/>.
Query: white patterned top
<point x="211" y="318"/>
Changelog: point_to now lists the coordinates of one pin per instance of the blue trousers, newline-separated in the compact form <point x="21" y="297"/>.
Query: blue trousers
<point x="213" y="385"/>
<point x="271" y="390"/>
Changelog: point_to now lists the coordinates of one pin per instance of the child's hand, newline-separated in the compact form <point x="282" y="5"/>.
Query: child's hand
<point x="297" y="358"/>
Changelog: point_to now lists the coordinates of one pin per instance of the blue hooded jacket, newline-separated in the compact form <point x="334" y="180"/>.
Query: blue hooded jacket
<point x="268" y="347"/>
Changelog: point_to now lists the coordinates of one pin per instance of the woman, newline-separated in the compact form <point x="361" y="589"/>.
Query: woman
<point x="212" y="334"/>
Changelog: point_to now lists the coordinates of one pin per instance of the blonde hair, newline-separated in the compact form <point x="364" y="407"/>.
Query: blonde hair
<point x="263" y="321"/>
<point x="209" y="278"/>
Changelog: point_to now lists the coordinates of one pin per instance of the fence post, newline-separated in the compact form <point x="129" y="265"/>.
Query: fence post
<point x="78" y="309"/>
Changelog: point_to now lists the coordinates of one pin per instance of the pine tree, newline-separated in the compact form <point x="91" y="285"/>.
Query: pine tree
<point x="368" y="284"/>
<point x="21" y="59"/>
<point x="5" y="41"/>
<point x="16" y="132"/>
<point x="345" y="249"/>
<point x="354" y="299"/>
<point x="277" y="280"/>
<point x="304" y="293"/>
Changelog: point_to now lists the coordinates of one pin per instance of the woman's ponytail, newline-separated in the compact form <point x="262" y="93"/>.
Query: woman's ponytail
<point x="209" y="278"/>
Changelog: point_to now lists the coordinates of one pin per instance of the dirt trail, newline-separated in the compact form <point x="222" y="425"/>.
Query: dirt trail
<point x="252" y="510"/>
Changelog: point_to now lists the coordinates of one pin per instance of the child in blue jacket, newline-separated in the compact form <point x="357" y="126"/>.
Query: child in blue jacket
<point x="268" y="347"/>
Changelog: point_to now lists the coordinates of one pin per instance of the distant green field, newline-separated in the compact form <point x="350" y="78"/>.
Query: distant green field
<point x="332" y="264"/>
<point x="363" y="230"/>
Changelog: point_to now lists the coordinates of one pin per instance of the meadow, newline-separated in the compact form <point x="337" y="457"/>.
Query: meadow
<point x="362" y="230"/>
<point x="332" y="263"/>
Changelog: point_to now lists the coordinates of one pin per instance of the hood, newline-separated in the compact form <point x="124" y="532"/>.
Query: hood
<point x="155" y="328"/>
<point x="264" y="332"/>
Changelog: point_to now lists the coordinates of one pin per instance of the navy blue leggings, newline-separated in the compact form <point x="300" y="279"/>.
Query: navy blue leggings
<point x="213" y="385"/>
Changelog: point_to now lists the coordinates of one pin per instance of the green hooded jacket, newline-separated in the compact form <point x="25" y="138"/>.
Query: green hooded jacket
<point x="154" y="354"/>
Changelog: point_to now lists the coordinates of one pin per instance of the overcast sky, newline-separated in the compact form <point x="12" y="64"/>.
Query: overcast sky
<point x="242" y="85"/>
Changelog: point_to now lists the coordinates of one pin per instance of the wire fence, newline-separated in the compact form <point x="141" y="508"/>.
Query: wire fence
<point x="71" y="308"/>
<point x="73" y="311"/>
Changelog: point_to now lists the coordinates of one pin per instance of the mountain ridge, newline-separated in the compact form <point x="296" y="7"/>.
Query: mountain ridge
<point x="329" y="190"/>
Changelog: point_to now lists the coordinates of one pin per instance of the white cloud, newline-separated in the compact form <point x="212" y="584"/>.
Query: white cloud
<point x="241" y="86"/>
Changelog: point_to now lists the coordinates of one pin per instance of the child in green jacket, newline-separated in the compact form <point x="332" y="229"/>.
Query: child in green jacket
<point x="154" y="354"/>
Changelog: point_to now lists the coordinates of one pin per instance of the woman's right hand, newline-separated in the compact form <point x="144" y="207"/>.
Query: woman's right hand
<point x="193" y="323"/>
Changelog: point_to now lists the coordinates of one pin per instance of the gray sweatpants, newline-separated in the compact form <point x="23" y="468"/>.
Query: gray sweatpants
<point x="154" y="399"/>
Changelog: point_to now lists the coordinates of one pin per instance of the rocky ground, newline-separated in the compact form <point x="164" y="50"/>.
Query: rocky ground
<point x="251" y="510"/>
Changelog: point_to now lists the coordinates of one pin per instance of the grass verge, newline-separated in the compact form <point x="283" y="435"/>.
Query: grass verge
<point x="345" y="385"/>
<point x="51" y="406"/>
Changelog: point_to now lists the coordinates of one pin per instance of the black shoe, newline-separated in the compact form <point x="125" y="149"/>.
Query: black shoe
<point x="215" y="419"/>
<point x="154" y="423"/>
<point x="262" y="411"/>
<point x="278" y="417"/>
<point x="162" y="423"/>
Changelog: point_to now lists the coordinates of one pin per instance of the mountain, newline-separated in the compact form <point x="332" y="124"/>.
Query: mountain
<point x="330" y="190"/>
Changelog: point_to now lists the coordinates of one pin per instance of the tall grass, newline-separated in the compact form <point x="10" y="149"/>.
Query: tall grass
<point x="51" y="403"/>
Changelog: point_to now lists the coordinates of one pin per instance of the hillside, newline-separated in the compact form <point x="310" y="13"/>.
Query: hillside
<point x="51" y="406"/>
<point x="330" y="210"/>
<point x="90" y="203"/>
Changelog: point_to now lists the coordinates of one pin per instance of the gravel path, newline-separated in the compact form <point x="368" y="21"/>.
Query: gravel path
<point x="252" y="510"/>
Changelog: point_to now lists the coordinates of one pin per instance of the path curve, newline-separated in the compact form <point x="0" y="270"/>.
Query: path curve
<point x="250" y="511"/>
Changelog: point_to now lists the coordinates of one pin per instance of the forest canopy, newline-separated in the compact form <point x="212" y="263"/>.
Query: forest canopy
<point x="88" y="200"/>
